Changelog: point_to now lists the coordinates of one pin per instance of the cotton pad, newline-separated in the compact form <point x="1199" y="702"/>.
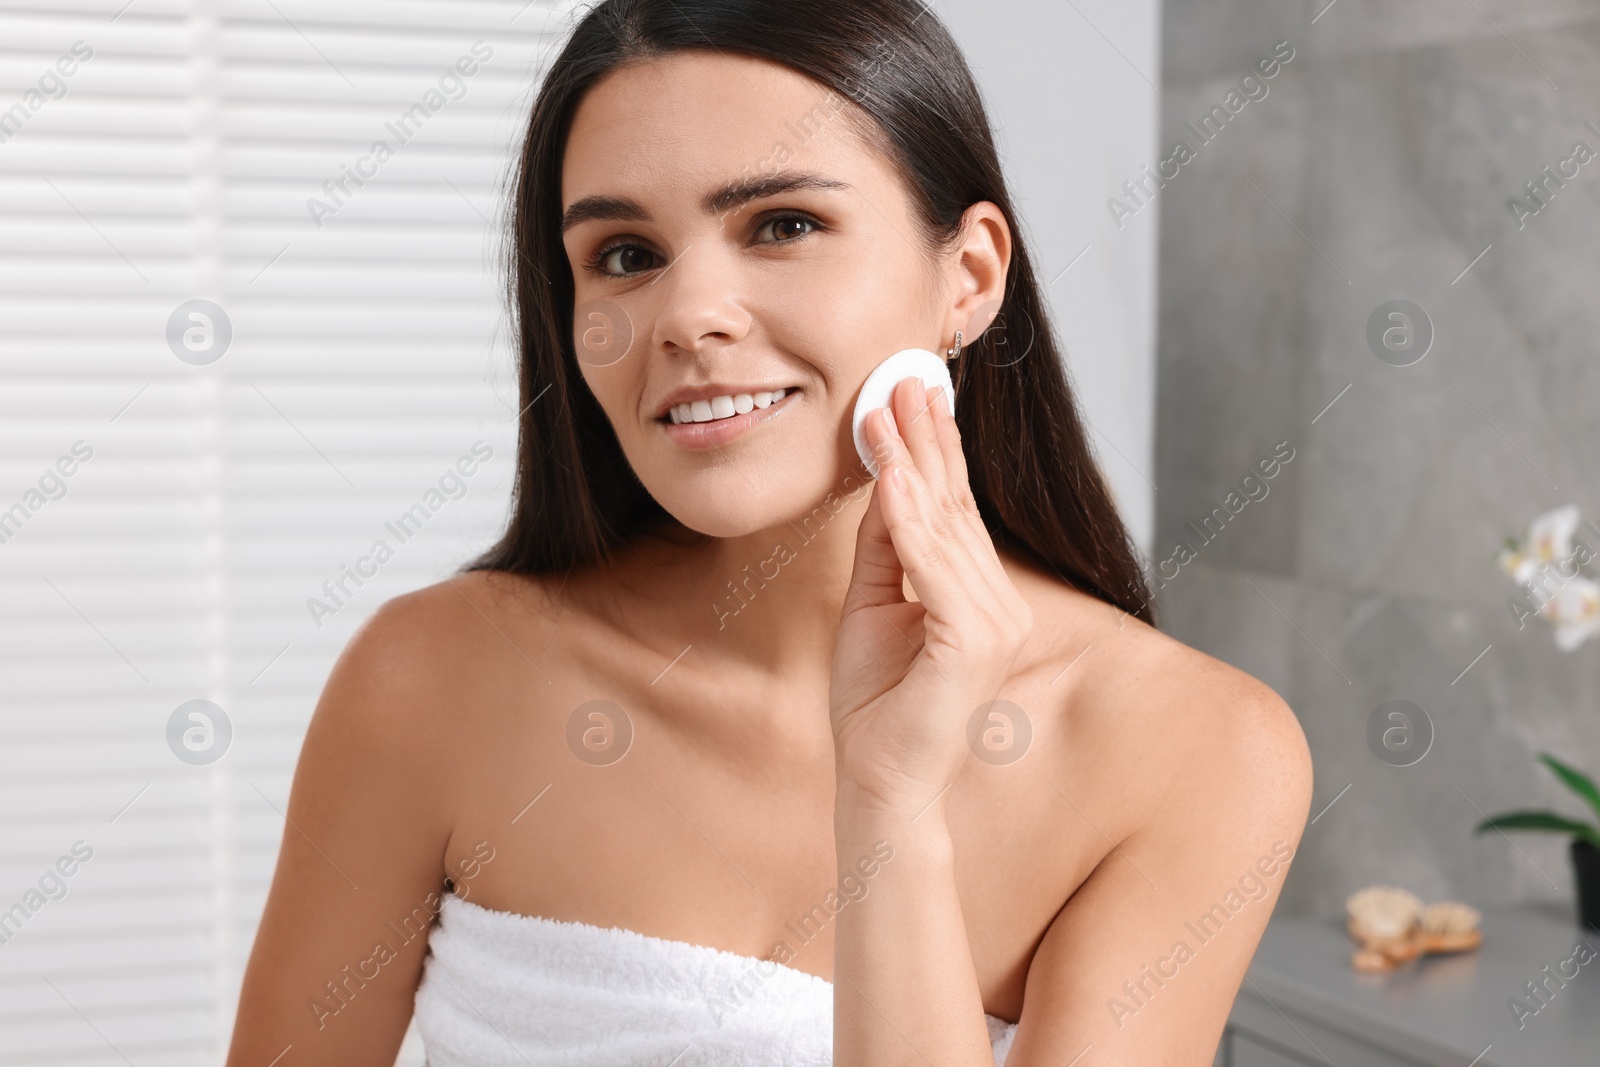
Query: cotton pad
<point x="879" y="386"/>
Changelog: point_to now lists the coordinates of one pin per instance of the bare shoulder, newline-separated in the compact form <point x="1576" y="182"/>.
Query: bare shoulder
<point x="423" y="661"/>
<point x="372" y="808"/>
<point x="445" y="631"/>
<point x="1213" y="708"/>
<point x="1198" y="779"/>
<point x="443" y="614"/>
<point x="1176" y="722"/>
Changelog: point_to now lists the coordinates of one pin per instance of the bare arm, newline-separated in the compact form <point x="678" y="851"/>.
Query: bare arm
<point x="360" y="870"/>
<point x="905" y="990"/>
<point x="906" y="676"/>
<point x="1143" y="963"/>
<point x="1140" y="966"/>
<point x="1206" y="848"/>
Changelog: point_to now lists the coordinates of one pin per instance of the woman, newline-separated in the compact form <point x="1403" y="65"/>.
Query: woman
<point x="724" y="742"/>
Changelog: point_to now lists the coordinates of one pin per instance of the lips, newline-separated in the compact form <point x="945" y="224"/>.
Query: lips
<point x="685" y="396"/>
<point x="716" y="432"/>
<point x="725" y="405"/>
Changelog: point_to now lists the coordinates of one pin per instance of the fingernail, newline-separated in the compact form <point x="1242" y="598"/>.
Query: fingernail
<point x="935" y="395"/>
<point x="898" y="477"/>
<point x="888" y="418"/>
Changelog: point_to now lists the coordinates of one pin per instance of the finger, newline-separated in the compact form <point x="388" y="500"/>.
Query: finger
<point x="909" y="401"/>
<point x="961" y="500"/>
<point x="952" y="512"/>
<point x="964" y="601"/>
<point x="935" y="559"/>
<point x="948" y="437"/>
<point x="877" y="574"/>
<point x="893" y="451"/>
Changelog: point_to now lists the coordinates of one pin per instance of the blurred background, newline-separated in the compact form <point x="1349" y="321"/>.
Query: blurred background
<point x="250" y="322"/>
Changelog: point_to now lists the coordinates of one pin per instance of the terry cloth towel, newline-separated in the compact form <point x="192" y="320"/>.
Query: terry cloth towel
<point x="500" y="989"/>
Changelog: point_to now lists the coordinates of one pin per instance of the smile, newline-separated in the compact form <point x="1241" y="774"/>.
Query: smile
<point x="717" y="420"/>
<point x="714" y="408"/>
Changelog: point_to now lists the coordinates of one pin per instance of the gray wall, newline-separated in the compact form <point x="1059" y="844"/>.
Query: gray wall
<point x="1382" y="160"/>
<point x="1071" y="91"/>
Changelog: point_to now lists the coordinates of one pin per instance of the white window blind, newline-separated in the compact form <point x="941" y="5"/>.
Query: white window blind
<point x="169" y="519"/>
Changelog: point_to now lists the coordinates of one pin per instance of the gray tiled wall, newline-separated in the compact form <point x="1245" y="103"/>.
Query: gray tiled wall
<point x="1378" y="167"/>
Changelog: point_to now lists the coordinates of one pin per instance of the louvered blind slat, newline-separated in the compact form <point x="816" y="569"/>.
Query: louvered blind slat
<point x="176" y="562"/>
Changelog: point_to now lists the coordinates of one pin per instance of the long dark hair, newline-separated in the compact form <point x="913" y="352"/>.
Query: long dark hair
<point x="1039" y="490"/>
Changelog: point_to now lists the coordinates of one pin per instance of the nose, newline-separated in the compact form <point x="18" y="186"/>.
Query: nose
<point x="700" y="309"/>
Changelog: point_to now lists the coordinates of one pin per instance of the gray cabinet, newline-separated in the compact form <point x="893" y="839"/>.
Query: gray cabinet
<point x="1302" y="1006"/>
<point x="1245" y="1051"/>
<point x="1258" y="1036"/>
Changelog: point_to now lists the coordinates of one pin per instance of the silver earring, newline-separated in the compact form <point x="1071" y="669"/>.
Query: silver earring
<point x="954" y="353"/>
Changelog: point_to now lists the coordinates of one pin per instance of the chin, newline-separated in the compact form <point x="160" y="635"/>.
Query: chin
<point x="728" y="514"/>
<point x="738" y="509"/>
<point x="715" y="521"/>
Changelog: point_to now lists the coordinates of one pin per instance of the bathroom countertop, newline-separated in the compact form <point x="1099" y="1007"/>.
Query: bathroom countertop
<point x="1449" y="1010"/>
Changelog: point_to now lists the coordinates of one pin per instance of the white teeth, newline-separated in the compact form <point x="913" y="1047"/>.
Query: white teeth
<point x="722" y="407"/>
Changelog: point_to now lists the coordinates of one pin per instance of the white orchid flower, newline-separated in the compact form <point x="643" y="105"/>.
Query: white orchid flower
<point x="1575" y="611"/>
<point x="1547" y="539"/>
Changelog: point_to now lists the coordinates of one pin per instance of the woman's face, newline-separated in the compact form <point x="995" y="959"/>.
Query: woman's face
<point x="681" y="297"/>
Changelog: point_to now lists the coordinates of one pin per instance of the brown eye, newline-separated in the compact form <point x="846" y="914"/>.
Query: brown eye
<point x="788" y="228"/>
<point x="626" y="258"/>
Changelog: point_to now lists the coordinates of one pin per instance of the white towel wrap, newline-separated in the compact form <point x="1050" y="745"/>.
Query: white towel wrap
<point x="500" y="989"/>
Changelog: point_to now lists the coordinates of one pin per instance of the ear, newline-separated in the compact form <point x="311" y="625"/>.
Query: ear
<point x="978" y="268"/>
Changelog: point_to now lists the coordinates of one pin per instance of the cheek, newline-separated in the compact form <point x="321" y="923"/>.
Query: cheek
<point x="845" y="314"/>
<point x="618" y="395"/>
<point x="603" y="334"/>
<point x="609" y="346"/>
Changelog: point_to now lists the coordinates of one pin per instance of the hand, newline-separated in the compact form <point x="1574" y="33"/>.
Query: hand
<point x="907" y="675"/>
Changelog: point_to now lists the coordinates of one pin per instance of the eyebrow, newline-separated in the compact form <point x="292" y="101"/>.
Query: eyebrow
<point x="717" y="202"/>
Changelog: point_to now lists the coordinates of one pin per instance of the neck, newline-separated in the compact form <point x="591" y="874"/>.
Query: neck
<point x="769" y="599"/>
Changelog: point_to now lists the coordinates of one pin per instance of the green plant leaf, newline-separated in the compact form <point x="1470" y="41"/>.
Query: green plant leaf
<point x="1539" y="820"/>
<point x="1574" y="780"/>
